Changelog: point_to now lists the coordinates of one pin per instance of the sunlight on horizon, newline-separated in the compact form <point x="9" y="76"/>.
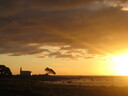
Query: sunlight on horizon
<point x="120" y="64"/>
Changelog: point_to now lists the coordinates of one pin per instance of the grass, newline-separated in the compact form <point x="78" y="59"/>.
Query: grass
<point x="62" y="90"/>
<point x="20" y="87"/>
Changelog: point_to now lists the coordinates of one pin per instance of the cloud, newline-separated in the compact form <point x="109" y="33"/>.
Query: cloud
<point x="60" y="55"/>
<point x="15" y="49"/>
<point x="90" y="26"/>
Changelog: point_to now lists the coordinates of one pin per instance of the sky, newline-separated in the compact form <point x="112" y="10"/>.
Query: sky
<point x="73" y="37"/>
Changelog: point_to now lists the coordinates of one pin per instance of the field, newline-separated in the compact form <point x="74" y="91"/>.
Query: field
<point x="24" y="87"/>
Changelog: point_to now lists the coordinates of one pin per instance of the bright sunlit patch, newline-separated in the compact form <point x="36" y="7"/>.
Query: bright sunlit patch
<point x="125" y="9"/>
<point x="121" y="64"/>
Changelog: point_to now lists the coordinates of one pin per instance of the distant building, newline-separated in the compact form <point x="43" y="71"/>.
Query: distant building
<point x="25" y="73"/>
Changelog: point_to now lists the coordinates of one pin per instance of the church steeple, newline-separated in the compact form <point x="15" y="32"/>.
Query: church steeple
<point x="20" y="70"/>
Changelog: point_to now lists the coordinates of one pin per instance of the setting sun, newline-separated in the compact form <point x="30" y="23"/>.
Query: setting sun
<point x="121" y="64"/>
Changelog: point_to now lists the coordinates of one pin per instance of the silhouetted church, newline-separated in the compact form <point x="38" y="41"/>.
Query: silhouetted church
<point x="25" y="73"/>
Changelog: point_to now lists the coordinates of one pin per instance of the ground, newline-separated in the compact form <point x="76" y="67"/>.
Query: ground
<point x="24" y="87"/>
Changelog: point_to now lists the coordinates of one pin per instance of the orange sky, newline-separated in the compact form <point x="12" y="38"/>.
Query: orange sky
<point x="72" y="37"/>
<point x="95" y="66"/>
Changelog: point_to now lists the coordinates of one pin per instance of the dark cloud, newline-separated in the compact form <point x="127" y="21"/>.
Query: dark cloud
<point x="92" y="26"/>
<point x="13" y="7"/>
<point x="15" y="49"/>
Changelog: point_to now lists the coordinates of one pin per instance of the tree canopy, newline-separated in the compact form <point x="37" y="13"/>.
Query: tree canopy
<point x="5" y="70"/>
<point x="49" y="71"/>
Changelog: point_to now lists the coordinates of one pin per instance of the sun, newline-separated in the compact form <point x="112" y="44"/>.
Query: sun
<point x="121" y="64"/>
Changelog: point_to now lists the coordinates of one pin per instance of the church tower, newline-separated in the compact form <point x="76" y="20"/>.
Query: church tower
<point x="20" y="70"/>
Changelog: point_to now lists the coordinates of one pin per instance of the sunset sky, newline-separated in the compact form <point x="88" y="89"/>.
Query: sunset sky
<point x="73" y="37"/>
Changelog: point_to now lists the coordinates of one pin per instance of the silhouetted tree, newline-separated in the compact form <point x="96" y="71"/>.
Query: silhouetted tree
<point x="5" y="70"/>
<point x="49" y="71"/>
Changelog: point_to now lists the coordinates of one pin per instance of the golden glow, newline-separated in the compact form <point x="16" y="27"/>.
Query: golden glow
<point x="121" y="64"/>
<point x="125" y="9"/>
